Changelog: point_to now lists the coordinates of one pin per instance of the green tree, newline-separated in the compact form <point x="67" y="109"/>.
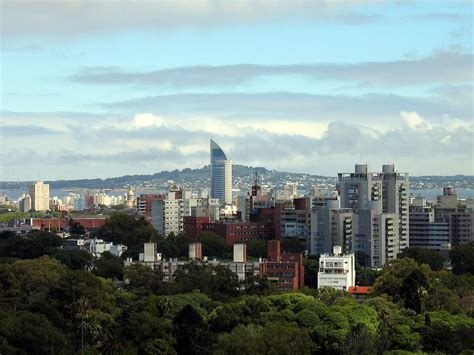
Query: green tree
<point x="216" y="281"/>
<point x="462" y="258"/>
<point x="293" y="245"/>
<point x="390" y="282"/>
<point x="28" y="333"/>
<point x="257" y="285"/>
<point x="142" y="280"/>
<point x="74" y="259"/>
<point x="157" y="346"/>
<point x="424" y="256"/>
<point x="257" y="248"/>
<point x="272" y="338"/>
<point x="109" y="266"/>
<point x="75" y="228"/>
<point x="413" y="288"/>
<point x="366" y="276"/>
<point x="191" y="332"/>
<point x="311" y="269"/>
<point x="213" y="245"/>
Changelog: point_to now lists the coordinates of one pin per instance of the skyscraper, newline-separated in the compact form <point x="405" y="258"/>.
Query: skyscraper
<point x="221" y="175"/>
<point x="380" y="204"/>
<point x="39" y="193"/>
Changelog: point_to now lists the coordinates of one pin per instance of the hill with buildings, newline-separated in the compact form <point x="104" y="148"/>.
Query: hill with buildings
<point x="243" y="177"/>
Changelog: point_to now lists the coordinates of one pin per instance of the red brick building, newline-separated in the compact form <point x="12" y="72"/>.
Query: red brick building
<point x="50" y="224"/>
<point x="286" y="269"/>
<point x="144" y="204"/>
<point x="242" y="231"/>
<point x="193" y="225"/>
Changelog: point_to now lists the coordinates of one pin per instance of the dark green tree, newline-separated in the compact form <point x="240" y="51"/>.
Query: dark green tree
<point x="213" y="245"/>
<point x="29" y="333"/>
<point x="424" y="256"/>
<point x="293" y="245"/>
<point x="311" y="269"/>
<point x="413" y="288"/>
<point x="191" y="332"/>
<point x="142" y="280"/>
<point x="109" y="266"/>
<point x="462" y="258"/>
<point x="257" y="248"/>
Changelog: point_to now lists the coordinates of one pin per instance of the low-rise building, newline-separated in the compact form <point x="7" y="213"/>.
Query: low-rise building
<point x="336" y="270"/>
<point x="285" y="269"/>
<point x="240" y="231"/>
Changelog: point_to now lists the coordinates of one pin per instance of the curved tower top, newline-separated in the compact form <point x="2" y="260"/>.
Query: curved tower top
<point x="216" y="152"/>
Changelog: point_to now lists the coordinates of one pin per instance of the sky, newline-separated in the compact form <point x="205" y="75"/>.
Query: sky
<point x="109" y="88"/>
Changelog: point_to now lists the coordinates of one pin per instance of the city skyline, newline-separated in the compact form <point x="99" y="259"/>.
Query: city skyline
<point x="103" y="89"/>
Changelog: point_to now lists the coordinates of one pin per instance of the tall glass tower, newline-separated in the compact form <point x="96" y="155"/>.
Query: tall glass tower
<point x="221" y="175"/>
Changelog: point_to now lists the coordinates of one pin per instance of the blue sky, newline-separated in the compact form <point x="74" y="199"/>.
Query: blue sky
<point x="107" y="88"/>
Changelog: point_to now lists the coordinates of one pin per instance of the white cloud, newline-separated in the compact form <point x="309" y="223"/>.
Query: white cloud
<point x="148" y="120"/>
<point x="415" y="121"/>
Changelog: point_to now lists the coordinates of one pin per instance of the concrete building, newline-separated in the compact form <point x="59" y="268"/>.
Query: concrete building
<point x="448" y="199"/>
<point x="295" y="219"/>
<point x="195" y="251"/>
<point x="221" y="175"/>
<point x="387" y="226"/>
<point x="24" y="204"/>
<point x="167" y="214"/>
<point x="426" y="232"/>
<point x="244" y="207"/>
<point x="375" y="235"/>
<point x="337" y="270"/>
<point x="96" y="247"/>
<point x="331" y="226"/>
<point x="144" y="201"/>
<point x="240" y="252"/>
<point x="39" y="193"/>
<point x="461" y="224"/>
<point x="286" y="270"/>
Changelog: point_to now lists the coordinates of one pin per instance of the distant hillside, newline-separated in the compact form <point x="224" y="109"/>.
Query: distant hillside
<point x="121" y="181"/>
<point x="198" y="177"/>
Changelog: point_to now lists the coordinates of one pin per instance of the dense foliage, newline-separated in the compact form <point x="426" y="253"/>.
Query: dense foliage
<point x="55" y="302"/>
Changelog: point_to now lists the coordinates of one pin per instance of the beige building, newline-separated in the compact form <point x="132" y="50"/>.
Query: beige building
<point x="39" y="194"/>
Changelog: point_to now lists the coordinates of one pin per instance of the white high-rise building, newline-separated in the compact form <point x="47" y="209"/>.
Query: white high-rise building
<point x="39" y="194"/>
<point x="221" y="175"/>
<point x="167" y="215"/>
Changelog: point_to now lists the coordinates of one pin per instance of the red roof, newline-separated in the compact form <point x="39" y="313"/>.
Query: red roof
<point x="359" y="290"/>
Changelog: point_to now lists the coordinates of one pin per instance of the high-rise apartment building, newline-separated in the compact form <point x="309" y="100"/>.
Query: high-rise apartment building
<point x="221" y="175"/>
<point x="386" y="192"/>
<point x="331" y="226"/>
<point x="24" y="204"/>
<point x="167" y="214"/>
<point x="39" y="194"/>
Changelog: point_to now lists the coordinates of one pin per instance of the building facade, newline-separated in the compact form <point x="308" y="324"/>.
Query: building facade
<point x="336" y="270"/>
<point x="380" y="202"/>
<point x="221" y="175"/>
<point x="426" y="232"/>
<point x="234" y="232"/>
<point x="39" y="193"/>
<point x="167" y="215"/>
